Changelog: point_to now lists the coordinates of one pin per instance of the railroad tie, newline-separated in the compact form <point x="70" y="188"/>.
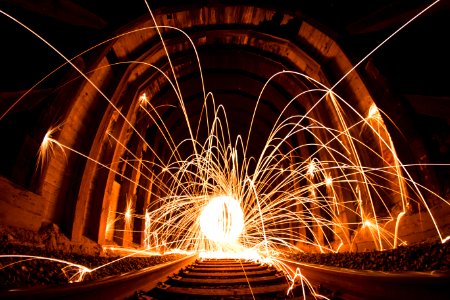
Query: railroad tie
<point x="223" y="279"/>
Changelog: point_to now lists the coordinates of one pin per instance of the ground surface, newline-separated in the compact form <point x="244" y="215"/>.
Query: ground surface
<point x="421" y="257"/>
<point x="24" y="272"/>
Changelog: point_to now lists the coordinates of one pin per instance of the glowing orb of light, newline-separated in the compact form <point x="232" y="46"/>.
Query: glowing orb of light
<point x="222" y="219"/>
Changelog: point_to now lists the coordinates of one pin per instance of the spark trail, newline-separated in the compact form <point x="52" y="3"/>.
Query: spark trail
<point x="221" y="202"/>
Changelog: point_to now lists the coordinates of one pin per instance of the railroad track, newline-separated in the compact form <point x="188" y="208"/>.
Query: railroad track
<point x="238" y="279"/>
<point x="222" y="279"/>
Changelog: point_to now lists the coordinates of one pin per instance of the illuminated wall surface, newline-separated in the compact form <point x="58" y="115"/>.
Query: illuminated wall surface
<point x="252" y="130"/>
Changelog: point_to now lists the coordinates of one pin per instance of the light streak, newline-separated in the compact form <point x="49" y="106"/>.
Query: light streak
<point x="311" y="168"/>
<point x="274" y="210"/>
<point x="74" y="272"/>
<point x="143" y="100"/>
<point x="128" y="212"/>
<point x="47" y="148"/>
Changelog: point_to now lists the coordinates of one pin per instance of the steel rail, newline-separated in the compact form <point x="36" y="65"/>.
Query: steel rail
<point x="113" y="287"/>
<point x="350" y="284"/>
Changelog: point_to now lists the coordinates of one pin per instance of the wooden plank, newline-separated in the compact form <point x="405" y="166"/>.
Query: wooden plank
<point x="225" y="269"/>
<point x="228" y="274"/>
<point x="225" y="281"/>
<point x="203" y="265"/>
<point x="279" y="288"/>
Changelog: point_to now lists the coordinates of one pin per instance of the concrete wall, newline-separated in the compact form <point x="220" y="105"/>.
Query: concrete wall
<point x="20" y="207"/>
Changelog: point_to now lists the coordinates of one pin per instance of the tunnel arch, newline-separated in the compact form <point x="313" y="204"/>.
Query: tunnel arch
<point x="79" y="192"/>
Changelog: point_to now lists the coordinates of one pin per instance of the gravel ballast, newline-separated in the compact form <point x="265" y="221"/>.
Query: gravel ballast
<point x="23" y="272"/>
<point x="420" y="257"/>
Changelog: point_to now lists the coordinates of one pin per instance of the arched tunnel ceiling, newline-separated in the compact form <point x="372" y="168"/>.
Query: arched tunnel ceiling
<point x="358" y="28"/>
<point x="236" y="63"/>
<point x="413" y="61"/>
<point x="234" y="77"/>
